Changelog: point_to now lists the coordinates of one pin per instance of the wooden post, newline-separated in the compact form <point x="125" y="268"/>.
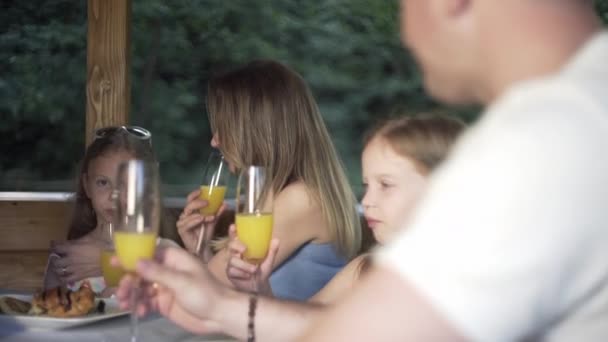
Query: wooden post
<point x="108" y="64"/>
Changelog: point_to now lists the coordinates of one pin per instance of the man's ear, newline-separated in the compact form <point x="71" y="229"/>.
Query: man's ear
<point x="452" y="8"/>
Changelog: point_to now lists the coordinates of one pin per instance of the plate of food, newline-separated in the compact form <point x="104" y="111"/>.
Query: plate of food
<point x="57" y="308"/>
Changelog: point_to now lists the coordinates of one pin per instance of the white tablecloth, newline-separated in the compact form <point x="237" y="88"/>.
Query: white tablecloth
<point x="151" y="329"/>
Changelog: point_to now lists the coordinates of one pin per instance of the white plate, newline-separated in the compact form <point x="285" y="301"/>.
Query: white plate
<point x="45" y="322"/>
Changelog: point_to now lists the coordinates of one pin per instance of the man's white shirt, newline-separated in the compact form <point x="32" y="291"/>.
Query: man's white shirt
<point x="511" y="241"/>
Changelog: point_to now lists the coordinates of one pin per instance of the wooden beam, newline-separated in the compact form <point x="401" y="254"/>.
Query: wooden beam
<point x="108" y="64"/>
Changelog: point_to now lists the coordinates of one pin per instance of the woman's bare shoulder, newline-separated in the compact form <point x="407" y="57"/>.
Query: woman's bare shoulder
<point x="296" y="211"/>
<point x="341" y="283"/>
<point x="296" y="194"/>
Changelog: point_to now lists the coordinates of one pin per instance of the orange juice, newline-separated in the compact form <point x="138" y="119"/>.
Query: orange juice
<point x="255" y="231"/>
<point x="111" y="274"/>
<point x="132" y="247"/>
<point x="215" y="196"/>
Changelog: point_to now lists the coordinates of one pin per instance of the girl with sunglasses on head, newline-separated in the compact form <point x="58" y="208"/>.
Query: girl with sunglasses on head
<point x="264" y="114"/>
<point x="78" y="258"/>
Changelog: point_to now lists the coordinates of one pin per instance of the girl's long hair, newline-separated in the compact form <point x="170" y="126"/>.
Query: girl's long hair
<point x="84" y="219"/>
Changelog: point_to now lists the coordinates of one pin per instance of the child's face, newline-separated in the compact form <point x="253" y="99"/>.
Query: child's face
<point x="100" y="180"/>
<point x="394" y="185"/>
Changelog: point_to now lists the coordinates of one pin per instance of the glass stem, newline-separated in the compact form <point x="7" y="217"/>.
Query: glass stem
<point x="256" y="286"/>
<point x="201" y="245"/>
<point x="134" y="318"/>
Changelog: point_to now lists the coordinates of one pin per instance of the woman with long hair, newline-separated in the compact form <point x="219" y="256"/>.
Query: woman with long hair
<point x="264" y="114"/>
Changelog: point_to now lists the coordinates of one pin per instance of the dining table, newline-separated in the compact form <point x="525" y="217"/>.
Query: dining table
<point x="153" y="328"/>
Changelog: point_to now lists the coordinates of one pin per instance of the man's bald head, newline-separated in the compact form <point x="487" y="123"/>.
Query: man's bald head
<point x="460" y="44"/>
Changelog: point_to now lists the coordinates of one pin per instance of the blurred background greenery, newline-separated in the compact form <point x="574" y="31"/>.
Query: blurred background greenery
<point x="348" y="50"/>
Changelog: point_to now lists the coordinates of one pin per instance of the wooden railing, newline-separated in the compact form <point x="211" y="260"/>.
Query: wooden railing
<point x="30" y="221"/>
<point x="28" y="224"/>
<point x="26" y="228"/>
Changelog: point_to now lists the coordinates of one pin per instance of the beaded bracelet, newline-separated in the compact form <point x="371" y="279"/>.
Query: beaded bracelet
<point x="253" y="303"/>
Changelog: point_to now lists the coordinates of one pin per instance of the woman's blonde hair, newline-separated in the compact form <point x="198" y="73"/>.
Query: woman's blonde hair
<point x="264" y="114"/>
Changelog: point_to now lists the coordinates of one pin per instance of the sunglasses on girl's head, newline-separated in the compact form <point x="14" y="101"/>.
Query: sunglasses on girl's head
<point x="134" y="131"/>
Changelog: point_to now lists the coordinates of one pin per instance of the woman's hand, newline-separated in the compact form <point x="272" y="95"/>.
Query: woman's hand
<point x="77" y="259"/>
<point x="178" y="286"/>
<point x="240" y="272"/>
<point x="190" y="222"/>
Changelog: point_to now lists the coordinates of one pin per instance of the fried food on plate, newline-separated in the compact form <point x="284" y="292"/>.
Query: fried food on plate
<point x="14" y="306"/>
<point x="62" y="302"/>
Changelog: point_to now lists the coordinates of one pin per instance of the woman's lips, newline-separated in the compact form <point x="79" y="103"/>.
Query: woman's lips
<point x="371" y="223"/>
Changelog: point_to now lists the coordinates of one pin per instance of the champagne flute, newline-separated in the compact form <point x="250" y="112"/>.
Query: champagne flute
<point x="138" y="210"/>
<point x="213" y="191"/>
<point x="254" y="218"/>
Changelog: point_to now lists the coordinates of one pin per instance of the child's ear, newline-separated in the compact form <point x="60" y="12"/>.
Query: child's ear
<point x="457" y="7"/>
<point x="85" y="184"/>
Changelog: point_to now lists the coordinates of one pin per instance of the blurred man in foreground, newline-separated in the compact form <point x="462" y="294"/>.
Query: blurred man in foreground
<point x="510" y="242"/>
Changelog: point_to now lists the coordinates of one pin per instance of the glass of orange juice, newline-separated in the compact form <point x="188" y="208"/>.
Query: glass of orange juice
<point x="137" y="204"/>
<point x="213" y="190"/>
<point x="254" y="218"/>
<point x="111" y="274"/>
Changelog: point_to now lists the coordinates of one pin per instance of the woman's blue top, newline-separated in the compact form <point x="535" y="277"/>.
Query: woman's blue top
<point x="306" y="271"/>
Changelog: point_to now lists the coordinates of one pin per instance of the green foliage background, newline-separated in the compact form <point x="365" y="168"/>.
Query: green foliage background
<point x="348" y="50"/>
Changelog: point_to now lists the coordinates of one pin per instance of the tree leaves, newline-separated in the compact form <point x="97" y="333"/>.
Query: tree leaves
<point x="348" y="51"/>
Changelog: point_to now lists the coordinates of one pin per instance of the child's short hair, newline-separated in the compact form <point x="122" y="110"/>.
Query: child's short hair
<point x="424" y="138"/>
